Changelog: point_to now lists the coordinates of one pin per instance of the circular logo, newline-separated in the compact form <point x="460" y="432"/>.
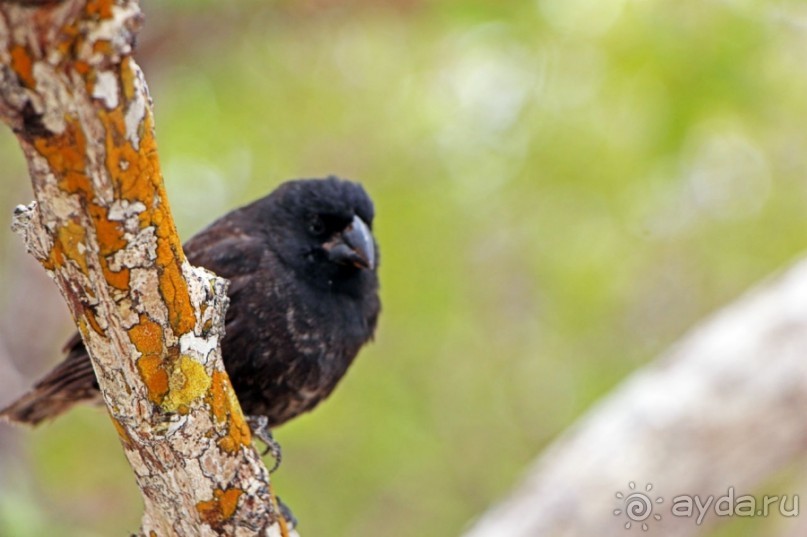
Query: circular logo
<point x="637" y="506"/>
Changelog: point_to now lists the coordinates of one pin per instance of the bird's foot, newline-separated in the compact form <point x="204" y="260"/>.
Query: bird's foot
<point x="260" y="429"/>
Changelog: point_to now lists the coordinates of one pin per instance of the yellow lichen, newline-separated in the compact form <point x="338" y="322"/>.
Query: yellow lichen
<point x="173" y="382"/>
<point x="187" y="382"/>
<point x="70" y="236"/>
<point x="127" y="77"/>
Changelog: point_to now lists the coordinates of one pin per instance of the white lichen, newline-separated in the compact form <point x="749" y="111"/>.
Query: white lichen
<point x="115" y="31"/>
<point x="198" y="348"/>
<point x="106" y="89"/>
<point x="141" y="251"/>
<point x="136" y="110"/>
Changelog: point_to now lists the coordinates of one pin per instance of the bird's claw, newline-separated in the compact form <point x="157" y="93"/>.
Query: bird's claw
<point x="260" y="429"/>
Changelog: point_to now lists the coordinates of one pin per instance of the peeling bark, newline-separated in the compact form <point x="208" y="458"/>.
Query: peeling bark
<point x="102" y="228"/>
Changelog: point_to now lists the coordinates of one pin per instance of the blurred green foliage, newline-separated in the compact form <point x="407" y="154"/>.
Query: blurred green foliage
<point x="563" y="187"/>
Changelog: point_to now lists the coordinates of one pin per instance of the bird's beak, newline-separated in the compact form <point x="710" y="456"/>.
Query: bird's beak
<point x="353" y="246"/>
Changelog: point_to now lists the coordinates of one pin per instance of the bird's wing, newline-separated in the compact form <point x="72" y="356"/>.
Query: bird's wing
<point x="229" y="252"/>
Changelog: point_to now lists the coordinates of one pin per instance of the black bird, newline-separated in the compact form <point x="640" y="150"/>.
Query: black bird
<point x="302" y="265"/>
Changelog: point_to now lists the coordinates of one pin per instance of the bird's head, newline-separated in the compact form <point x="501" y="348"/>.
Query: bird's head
<point x="322" y="228"/>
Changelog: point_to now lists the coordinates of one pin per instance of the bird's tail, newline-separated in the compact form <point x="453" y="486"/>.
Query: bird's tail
<point x="35" y="407"/>
<point x="70" y="382"/>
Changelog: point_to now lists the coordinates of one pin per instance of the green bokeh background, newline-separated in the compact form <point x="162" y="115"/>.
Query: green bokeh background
<point x="563" y="188"/>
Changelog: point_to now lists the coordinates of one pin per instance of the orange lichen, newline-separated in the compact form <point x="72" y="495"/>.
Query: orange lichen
<point x="110" y="232"/>
<point x="123" y="434"/>
<point x="66" y="154"/>
<point x="118" y="279"/>
<point x="100" y="8"/>
<point x="103" y="47"/>
<point x="154" y="376"/>
<point x="131" y="171"/>
<point x="136" y="175"/>
<point x="174" y="289"/>
<point x="217" y="397"/>
<point x="223" y="405"/>
<point x="147" y="338"/>
<point x="89" y="314"/>
<point x="23" y="65"/>
<point x="68" y="37"/>
<point x="221" y="508"/>
<point x="238" y="435"/>
<point x="83" y="68"/>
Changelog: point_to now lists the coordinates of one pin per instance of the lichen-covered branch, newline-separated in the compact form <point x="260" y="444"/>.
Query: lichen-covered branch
<point x="102" y="228"/>
<point x="724" y="408"/>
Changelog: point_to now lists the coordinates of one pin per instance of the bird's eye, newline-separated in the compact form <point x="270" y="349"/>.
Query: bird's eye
<point x="317" y="226"/>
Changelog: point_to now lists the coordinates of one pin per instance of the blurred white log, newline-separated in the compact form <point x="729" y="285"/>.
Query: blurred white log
<point x="724" y="408"/>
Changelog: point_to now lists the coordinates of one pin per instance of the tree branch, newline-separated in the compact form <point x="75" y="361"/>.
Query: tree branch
<point x="723" y="408"/>
<point x="102" y="228"/>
